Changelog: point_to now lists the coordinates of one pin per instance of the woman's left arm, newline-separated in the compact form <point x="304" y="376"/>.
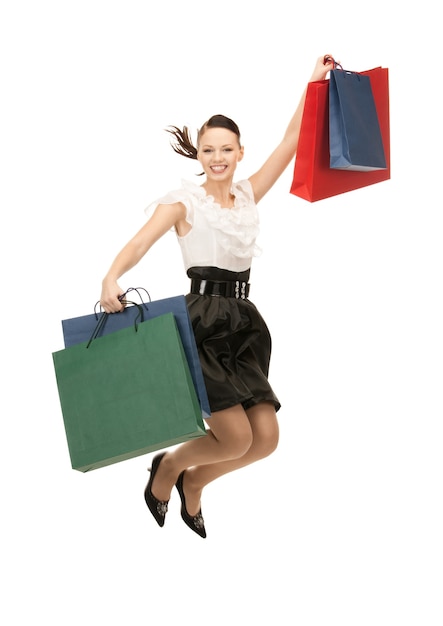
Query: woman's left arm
<point x="278" y="161"/>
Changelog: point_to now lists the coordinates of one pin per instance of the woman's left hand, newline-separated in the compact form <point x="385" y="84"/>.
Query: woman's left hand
<point x="324" y="64"/>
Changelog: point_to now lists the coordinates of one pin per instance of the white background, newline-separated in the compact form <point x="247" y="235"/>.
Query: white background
<point x="342" y="525"/>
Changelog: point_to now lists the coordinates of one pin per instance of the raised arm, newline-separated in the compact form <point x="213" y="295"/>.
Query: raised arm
<point x="278" y="161"/>
<point x="164" y="218"/>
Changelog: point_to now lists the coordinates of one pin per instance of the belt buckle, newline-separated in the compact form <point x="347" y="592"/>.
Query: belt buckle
<point x="240" y="290"/>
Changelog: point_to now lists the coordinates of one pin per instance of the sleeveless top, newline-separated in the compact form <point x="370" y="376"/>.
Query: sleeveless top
<point x="219" y="237"/>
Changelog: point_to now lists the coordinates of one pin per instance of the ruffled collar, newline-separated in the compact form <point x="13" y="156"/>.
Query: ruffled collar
<point x="238" y="226"/>
<point x="240" y="198"/>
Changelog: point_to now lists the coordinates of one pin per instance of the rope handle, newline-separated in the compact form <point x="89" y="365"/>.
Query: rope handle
<point x="328" y="59"/>
<point x="338" y="66"/>
<point x="136" y="289"/>
<point x="104" y="317"/>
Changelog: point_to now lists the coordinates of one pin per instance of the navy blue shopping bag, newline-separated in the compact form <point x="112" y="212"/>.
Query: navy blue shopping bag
<point x="355" y="138"/>
<point x="79" y="329"/>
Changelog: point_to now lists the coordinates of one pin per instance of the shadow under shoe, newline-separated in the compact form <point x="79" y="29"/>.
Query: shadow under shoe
<point x="195" y="522"/>
<point x="158" y="508"/>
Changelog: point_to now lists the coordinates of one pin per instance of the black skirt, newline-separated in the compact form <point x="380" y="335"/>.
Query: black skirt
<point x="234" y="345"/>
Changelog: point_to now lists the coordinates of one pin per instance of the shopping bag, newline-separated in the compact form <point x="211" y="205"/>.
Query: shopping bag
<point x="78" y="329"/>
<point x="313" y="178"/>
<point x="126" y="394"/>
<point x="355" y="141"/>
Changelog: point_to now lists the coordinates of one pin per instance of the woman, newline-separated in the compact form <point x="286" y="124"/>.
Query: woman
<point x="216" y="225"/>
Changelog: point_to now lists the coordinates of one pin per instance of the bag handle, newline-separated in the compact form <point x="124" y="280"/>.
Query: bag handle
<point x="136" y="289"/>
<point x="329" y="59"/>
<point x="104" y="317"/>
<point x="338" y="66"/>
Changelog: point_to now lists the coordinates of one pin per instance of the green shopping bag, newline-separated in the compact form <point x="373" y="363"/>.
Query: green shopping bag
<point x="126" y="394"/>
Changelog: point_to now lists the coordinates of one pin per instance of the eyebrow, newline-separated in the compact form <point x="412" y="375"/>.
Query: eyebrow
<point x="209" y="145"/>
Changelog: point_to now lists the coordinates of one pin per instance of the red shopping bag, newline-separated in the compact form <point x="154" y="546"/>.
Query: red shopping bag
<point x="313" y="178"/>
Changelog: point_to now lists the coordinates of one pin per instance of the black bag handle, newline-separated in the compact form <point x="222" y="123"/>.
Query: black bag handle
<point x="104" y="317"/>
<point x="136" y="289"/>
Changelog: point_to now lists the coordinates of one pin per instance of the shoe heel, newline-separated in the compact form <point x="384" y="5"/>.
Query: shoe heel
<point x="158" y="508"/>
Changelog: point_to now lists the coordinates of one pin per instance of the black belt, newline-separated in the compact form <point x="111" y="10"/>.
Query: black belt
<point x="226" y="289"/>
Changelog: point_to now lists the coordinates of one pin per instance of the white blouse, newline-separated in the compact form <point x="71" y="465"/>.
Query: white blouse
<point x="219" y="237"/>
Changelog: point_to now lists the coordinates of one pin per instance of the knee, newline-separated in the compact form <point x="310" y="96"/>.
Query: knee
<point x="265" y="431"/>
<point x="232" y="431"/>
<point x="265" y="443"/>
<point x="240" y="445"/>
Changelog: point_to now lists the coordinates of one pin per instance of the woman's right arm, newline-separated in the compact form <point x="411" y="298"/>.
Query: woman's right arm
<point x="165" y="217"/>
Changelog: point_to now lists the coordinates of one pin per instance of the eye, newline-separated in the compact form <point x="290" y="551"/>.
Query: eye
<point x="228" y="149"/>
<point x="207" y="150"/>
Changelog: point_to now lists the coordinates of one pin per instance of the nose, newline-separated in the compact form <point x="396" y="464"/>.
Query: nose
<point x="217" y="156"/>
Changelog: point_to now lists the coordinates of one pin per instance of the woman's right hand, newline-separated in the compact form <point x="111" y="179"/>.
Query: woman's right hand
<point x="109" y="299"/>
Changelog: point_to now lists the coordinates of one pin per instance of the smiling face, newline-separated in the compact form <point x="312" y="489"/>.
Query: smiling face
<point x="219" y="152"/>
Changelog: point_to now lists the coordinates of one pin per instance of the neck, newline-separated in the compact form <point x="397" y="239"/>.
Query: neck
<point x="221" y="192"/>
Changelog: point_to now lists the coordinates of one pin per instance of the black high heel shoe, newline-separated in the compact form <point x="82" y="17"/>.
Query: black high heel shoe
<point x="196" y="522"/>
<point x="158" y="508"/>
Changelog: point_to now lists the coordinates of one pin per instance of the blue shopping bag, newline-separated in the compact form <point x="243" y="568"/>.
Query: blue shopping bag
<point x="79" y="329"/>
<point x="355" y="138"/>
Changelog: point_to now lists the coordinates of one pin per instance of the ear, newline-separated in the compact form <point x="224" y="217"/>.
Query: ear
<point x="241" y="154"/>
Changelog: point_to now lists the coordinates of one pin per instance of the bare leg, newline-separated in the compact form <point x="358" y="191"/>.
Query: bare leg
<point x="229" y="437"/>
<point x="265" y="433"/>
<point x="237" y="438"/>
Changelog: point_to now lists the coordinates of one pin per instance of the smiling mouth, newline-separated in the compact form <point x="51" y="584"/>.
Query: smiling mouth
<point x="218" y="169"/>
